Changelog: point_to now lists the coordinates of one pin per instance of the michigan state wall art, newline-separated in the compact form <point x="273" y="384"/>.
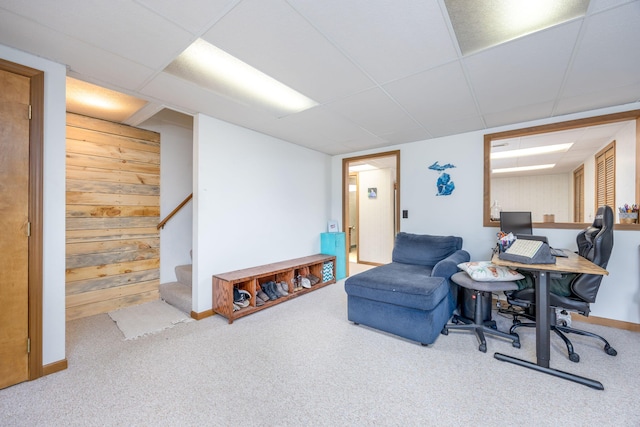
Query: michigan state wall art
<point x="444" y="184"/>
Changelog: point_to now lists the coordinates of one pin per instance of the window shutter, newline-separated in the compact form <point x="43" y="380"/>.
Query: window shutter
<point x="578" y="194"/>
<point x="606" y="176"/>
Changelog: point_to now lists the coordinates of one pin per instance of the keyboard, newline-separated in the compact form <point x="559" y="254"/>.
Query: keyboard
<point x="558" y="252"/>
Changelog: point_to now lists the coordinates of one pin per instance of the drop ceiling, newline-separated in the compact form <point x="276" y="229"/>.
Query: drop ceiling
<point x="382" y="72"/>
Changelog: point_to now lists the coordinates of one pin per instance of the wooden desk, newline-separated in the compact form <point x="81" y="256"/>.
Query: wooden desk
<point x="572" y="264"/>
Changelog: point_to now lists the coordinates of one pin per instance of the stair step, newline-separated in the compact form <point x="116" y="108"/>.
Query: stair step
<point x="177" y="294"/>
<point x="184" y="274"/>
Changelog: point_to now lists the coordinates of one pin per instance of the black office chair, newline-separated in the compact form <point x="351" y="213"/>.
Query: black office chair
<point x="595" y="244"/>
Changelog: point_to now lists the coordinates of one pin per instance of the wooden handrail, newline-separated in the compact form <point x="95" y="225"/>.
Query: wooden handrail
<point x="175" y="211"/>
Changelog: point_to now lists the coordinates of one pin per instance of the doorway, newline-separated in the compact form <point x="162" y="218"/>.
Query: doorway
<point x="21" y="145"/>
<point x="370" y="208"/>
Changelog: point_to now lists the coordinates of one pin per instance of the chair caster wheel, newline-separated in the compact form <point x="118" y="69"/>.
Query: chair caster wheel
<point x="444" y="331"/>
<point x="610" y="350"/>
<point x="483" y="348"/>
<point x="516" y="344"/>
<point x="574" y="357"/>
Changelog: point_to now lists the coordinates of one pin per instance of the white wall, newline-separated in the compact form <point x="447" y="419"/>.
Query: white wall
<point x="540" y="194"/>
<point x="53" y="287"/>
<point x="257" y="200"/>
<point x="176" y="183"/>
<point x="461" y="213"/>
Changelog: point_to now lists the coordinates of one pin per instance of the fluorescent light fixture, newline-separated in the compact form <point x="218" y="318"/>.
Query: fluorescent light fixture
<point x="482" y="24"/>
<point x="210" y="67"/>
<point x="361" y="168"/>
<point x="523" y="168"/>
<point x="556" y="148"/>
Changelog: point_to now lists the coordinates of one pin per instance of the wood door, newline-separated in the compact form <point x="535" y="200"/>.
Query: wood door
<point x="14" y="218"/>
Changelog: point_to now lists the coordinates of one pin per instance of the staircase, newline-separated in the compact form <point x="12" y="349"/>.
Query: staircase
<point x="178" y="294"/>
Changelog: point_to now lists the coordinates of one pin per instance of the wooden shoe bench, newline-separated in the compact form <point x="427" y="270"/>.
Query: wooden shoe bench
<point x="247" y="279"/>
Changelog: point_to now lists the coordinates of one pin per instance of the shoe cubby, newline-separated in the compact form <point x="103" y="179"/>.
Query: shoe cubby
<point x="254" y="278"/>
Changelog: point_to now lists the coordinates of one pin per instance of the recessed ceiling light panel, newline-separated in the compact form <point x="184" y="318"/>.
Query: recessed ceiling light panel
<point x="523" y="152"/>
<point x="523" y="168"/>
<point x="482" y="24"/>
<point x="214" y="69"/>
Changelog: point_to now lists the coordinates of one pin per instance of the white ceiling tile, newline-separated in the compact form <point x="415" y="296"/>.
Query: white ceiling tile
<point x="526" y="70"/>
<point x="456" y="124"/>
<point x="328" y="125"/>
<point x="523" y="113"/>
<point x="606" y="58"/>
<point x="193" y="17"/>
<point x="594" y="97"/>
<point x="404" y="135"/>
<point x="121" y="27"/>
<point x="270" y="36"/>
<point x="84" y="61"/>
<point x="390" y="39"/>
<point x="435" y="96"/>
<point x="599" y="5"/>
<point x="373" y="110"/>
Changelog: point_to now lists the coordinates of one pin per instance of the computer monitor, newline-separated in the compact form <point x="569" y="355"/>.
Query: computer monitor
<point x="516" y="222"/>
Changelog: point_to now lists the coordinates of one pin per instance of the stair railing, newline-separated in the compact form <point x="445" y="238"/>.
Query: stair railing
<point x="175" y="211"/>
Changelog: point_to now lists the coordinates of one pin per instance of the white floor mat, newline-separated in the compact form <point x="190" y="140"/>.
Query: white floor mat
<point x="148" y="318"/>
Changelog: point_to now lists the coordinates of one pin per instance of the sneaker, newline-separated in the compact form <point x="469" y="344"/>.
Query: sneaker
<point x="313" y="279"/>
<point x="281" y="292"/>
<point x="306" y="283"/>
<point x="259" y="302"/>
<point x="285" y="287"/>
<point x="262" y="296"/>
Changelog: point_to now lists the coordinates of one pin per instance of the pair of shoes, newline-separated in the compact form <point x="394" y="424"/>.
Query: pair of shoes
<point x="297" y="286"/>
<point x="241" y="298"/>
<point x="281" y="289"/>
<point x="269" y="288"/>
<point x="313" y="279"/>
<point x="261" y="295"/>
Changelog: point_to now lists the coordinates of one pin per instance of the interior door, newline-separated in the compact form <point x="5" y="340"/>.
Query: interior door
<point x="14" y="218"/>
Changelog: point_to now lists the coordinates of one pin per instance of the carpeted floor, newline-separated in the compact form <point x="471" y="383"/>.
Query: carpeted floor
<point x="303" y="364"/>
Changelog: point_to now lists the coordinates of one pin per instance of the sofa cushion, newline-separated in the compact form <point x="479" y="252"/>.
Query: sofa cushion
<point x="423" y="249"/>
<point x="400" y="284"/>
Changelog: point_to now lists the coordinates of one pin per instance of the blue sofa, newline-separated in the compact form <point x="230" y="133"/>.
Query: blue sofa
<point x="412" y="297"/>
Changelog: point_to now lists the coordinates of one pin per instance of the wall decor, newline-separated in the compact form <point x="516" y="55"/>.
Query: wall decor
<point x="372" y="192"/>
<point x="444" y="184"/>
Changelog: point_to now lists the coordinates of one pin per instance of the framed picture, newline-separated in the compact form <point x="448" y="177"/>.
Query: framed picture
<point x="372" y="192"/>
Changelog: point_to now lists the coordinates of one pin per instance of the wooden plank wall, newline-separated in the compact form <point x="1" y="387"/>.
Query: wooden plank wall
<point x="113" y="208"/>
